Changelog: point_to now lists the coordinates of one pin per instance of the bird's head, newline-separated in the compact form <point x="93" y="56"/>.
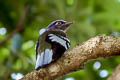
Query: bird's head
<point x="59" y="25"/>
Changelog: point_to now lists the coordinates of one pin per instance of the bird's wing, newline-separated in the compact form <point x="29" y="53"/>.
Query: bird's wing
<point x="43" y="52"/>
<point x="58" y="36"/>
<point x="60" y="43"/>
<point x="63" y="41"/>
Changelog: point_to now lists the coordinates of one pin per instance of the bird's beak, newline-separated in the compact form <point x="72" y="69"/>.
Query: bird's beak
<point x="68" y="24"/>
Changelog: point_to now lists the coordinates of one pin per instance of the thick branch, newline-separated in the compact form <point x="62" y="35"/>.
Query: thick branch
<point x="18" y="28"/>
<point x="99" y="46"/>
<point x="116" y="74"/>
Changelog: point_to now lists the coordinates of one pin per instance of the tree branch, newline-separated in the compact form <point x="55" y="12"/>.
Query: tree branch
<point x="116" y="74"/>
<point x="99" y="46"/>
<point x="19" y="27"/>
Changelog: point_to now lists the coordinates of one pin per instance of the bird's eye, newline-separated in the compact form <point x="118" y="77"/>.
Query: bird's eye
<point x="58" y="23"/>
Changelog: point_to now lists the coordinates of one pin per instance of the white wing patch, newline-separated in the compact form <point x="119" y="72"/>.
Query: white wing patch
<point x="44" y="58"/>
<point x="63" y="41"/>
<point x="68" y="43"/>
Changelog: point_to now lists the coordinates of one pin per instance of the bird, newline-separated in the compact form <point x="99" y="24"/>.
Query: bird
<point x="52" y="43"/>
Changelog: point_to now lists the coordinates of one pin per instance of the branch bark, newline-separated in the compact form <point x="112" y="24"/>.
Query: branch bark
<point x="99" y="46"/>
<point x="116" y="74"/>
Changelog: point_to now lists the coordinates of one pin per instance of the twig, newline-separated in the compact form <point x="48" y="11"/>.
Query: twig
<point x="19" y="27"/>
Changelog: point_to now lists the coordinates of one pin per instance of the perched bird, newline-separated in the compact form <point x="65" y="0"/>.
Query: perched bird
<point x="52" y="43"/>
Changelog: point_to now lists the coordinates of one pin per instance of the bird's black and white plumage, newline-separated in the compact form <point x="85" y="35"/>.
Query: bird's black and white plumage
<point x="52" y="43"/>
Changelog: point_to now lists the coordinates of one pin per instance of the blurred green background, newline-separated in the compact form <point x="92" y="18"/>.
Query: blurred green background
<point x="91" y="17"/>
